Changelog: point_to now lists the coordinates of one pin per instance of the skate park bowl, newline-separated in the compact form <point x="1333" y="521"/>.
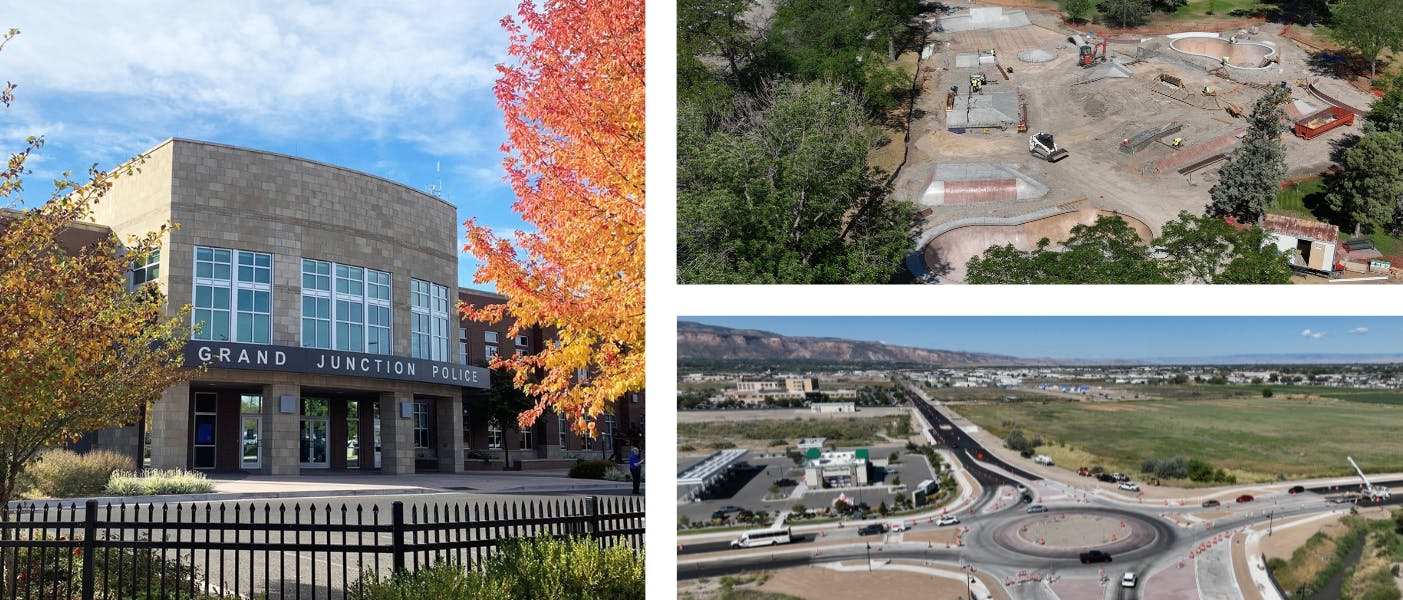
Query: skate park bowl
<point x="1241" y="55"/>
<point x="951" y="245"/>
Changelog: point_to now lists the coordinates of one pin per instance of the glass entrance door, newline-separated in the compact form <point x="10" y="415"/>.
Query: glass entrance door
<point x="252" y="437"/>
<point x="315" y="434"/>
<point x="352" y="434"/>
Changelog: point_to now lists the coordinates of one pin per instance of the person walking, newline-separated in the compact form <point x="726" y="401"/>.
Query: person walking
<point x="635" y="468"/>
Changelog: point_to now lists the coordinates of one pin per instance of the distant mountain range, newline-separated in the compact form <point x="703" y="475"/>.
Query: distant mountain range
<point x="698" y="341"/>
<point x="710" y="342"/>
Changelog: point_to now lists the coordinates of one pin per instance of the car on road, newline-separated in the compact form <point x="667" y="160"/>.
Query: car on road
<point x="719" y="516"/>
<point x="1094" y="556"/>
<point x="873" y="529"/>
<point x="1027" y="497"/>
<point x="1128" y="486"/>
<point x="786" y="482"/>
<point x="1245" y="498"/>
<point x="1210" y="503"/>
<point x="1106" y="477"/>
<point x="1043" y="459"/>
<point x="947" y="520"/>
<point x="1128" y="579"/>
<point x="1119" y="477"/>
<point x="1026" y="454"/>
<point x="729" y="508"/>
<point x="1037" y="508"/>
<point x="1296" y="489"/>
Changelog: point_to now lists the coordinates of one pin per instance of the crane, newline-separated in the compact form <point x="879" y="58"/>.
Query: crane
<point x="1374" y="492"/>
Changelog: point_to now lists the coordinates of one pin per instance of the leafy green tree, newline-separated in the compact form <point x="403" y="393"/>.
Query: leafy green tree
<point x="1125" y="12"/>
<point x="1266" y="392"/>
<point x="1077" y="10"/>
<point x="1209" y="250"/>
<point x="1108" y="251"/>
<point x="1249" y="181"/>
<point x="1369" y="26"/>
<point x="782" y="193"/>
<point x="1371" y="187"/>
<point x="1386" y="114"/>
<point x="501" y="402"/>
<point x="715" y="27"/>
<point x="1017" y="440"/>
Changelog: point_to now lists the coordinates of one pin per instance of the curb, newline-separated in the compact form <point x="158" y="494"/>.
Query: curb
<point x="227" y="496"/>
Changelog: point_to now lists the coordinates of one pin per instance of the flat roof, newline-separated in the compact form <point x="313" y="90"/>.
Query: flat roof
<point x="711" y="467"/>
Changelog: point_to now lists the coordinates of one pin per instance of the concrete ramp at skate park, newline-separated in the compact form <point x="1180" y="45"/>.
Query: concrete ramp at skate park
<point x="972" y="61"/>
<point x="1242" y="55"/>
<point x="1104" y="70"/>
<point x="948" y="251"/>
<point x="964" y="183"/>
<point x="994" y="17"/>
<point x="988" y="109"/>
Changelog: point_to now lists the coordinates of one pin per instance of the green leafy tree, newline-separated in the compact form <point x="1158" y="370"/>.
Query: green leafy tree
<point x="1386" y="113"/>
<point x="1077" y="10"/>
<point x="1108" y="251"/>
<point x="502" y="402"/>
<point x="1371" y="187"/>
<point x="1249" y="181"/>
<point x="1369" y="26"/>
<point x="1125" y="12"/>
<point x="1266" y="392"/>
<point x="782" y="193"/>
<point x="1210" y="250"/>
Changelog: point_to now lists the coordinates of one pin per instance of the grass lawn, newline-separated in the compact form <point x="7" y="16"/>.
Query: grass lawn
<point x="1198" y="9"/>
<point x="1253" y="437"/>
<point x="1306" y="200"/>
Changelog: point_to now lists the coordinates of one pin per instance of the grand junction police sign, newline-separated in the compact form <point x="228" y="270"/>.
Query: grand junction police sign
<point x="292" y="359"/>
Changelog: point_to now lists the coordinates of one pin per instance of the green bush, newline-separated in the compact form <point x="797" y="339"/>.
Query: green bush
<point x="590" y="469"/>
<point x="536" y="569"/>
<point x="49" y="574"/>
<point x="66" y="474"/>
<point x="157" y="482"/>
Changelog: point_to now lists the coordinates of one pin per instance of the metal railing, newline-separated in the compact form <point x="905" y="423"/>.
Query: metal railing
<point x="263" y="550"/>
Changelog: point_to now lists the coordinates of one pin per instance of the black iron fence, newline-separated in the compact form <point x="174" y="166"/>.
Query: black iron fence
<point x="262" y="550"/>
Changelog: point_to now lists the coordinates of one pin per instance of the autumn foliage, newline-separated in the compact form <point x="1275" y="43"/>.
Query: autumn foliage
<point x="78" y="350"/>
<point x="574" y="99"/>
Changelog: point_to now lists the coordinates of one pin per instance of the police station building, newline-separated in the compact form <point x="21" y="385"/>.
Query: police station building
<point x="324" y="301"/>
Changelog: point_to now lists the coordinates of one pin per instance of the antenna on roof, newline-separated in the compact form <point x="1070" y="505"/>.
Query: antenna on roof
<point x="437" y="188"/>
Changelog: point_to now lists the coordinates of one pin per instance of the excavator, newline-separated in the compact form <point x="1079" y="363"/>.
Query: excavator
<point x="1043" y="146"/>
<point x="1092" y="49"/>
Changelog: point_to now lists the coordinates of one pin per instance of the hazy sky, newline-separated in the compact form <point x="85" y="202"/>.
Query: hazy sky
<point x="388" y="88"/>
<point x="1101" y="337"/>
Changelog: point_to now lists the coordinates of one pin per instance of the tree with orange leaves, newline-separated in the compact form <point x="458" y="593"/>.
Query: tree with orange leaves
<point x="78" y="350"/>
<point x="574" y="100"/>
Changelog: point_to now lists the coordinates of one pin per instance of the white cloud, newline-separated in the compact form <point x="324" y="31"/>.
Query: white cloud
<point x="1317" y="335"/>
<point x="1359" y="331"/>
<point x="265" y="64"/>
<point x="1306" y="333"/>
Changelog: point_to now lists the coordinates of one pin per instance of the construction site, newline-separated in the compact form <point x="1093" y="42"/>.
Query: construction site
<point x="1024" y="128"/>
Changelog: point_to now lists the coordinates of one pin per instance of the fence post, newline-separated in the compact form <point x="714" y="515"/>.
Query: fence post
<point x="89" y="547"/>
<point x="397" y="535"/>
<point x="592" y="511"/>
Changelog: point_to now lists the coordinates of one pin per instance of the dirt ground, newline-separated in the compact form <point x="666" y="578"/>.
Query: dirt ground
<point x="1091" y="119"/>
<point x="818" y="583"/>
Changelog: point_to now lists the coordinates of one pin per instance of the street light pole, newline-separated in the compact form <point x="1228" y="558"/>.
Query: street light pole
<point x="1271" y="516"/>
<point x="869" y="557"/>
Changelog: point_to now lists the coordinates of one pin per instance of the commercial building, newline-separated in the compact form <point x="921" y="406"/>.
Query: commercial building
<point x="837" y="469"/>
<point x="833" y="407"/>
<point x="323" y="301"/>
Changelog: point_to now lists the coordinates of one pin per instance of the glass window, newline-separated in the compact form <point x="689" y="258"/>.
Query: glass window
<point x="345" y="307"/>
<point x="429" y="320"/>
<point x="490" y="351"/>
<point x="150" y="270"/>
<point x="564" y="427"/>
<point x="249" y="319"/>
<point x="462" y="333"/>
<point x="523" y="343"/>
<point x="494" y="434"/>
<point x="463" y="351"/>
<point x="489" y="337"/>
<point x="421" y="425"/>
<point x="524" y="442"/>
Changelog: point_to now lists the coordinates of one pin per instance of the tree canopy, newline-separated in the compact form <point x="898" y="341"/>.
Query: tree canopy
<point x="1369" y="26"/>
<point x="574" y="105"/>
<point x="781" y="193"/>
<point x="1191" y="250"/>
<point x="1370" y="188"/>
<point x="1249" y="181"/>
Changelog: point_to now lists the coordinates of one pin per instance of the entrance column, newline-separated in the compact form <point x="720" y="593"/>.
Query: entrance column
<point x="281" y="428"/>
<point x="170" y="428"/>
<point x="396" y="433"/>
<point x="449" y="418"/>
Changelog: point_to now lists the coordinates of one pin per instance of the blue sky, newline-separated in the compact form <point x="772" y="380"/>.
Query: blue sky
<point x="1100" y="337"/>
<point x="389" y="88"/>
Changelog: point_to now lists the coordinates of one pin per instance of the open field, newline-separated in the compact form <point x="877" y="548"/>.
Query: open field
<point x="1252" y="437"/>
<point x="857" y="431"/>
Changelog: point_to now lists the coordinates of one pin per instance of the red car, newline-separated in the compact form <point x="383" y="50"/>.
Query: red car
<point x="1244" y="498"/>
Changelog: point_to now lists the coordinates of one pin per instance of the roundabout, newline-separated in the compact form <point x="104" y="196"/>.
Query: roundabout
<point x="1068" y="533"/>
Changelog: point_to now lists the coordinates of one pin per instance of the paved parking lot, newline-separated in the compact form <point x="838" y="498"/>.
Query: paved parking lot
<point x="749" y="488"/>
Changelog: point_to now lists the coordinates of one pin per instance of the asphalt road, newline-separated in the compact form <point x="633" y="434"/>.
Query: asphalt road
<point x="1169" y="540"/>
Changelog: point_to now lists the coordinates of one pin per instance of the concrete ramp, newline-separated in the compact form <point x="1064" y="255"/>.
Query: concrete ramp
<point x="946" y="250"/>
<point x="994" y="17"/>
<point x="1105" y="70"/>
<point x="988" y="109"/>
<point x="963" y="183"/>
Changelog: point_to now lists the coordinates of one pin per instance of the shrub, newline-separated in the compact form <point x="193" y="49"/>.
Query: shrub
<point x="614" y="473"/>
<point x="65" y="474"/>
<point x="536" y="568"/>
<point x="590" y="469"/>
<point x="157" y="482"/>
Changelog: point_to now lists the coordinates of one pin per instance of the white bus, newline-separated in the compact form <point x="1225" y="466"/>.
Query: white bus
<point x="762" y="537"/>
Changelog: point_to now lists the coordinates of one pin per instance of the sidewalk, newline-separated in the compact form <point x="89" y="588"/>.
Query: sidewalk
<point x="240" y="486"/>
